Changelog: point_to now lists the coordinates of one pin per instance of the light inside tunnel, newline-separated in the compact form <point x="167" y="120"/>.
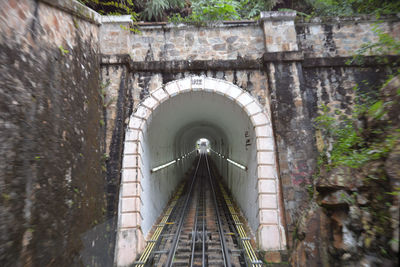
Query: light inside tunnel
<point x="171" y="162"/>
<point x="164" y="165"/>
<point x="237" y="164"/>
<point x="230" y="161"/>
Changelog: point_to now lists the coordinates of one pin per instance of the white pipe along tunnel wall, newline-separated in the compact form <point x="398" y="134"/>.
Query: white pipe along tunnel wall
<point x="164" y="130"/>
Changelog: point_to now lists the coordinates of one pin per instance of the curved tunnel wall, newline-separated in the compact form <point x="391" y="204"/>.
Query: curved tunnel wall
<point x="166" y="126"/>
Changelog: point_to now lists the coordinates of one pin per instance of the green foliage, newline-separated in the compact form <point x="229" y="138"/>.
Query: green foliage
<point x="148" y="10"/>
<point x="353" y="7"/>
<point x="310" y="191"/>
<point x="6" y="197"/>
<point x="155" y="9"/>
<point x="63" y="51"/>
<point x="219" y="10"/>
<point x="250" y="9"/>
<point x="385" y="45"/>
<point x="298" y="13"/>
<point x="76" y="24"/>
<point x="103" y="168"/>
<point x="201" y="10"/>
<point x="216" y="10"/>
<point x="349" y="199"/>
<point x="396" y="192"/>
<point x="346" y="143"/>
<point x="105" y="157"/>
<point x="394" y="241"/>
<point x="212" y="10"/>
<point x="117" y="7"/>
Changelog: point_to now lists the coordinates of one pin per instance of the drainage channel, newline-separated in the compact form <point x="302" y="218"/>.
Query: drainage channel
<point x="198" y="228"/>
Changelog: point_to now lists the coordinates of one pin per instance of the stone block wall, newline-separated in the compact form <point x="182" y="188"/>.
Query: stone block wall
<point x="167" y="43"/>
<point x="279" y="30"/>
<point x="117" y="91"/>
<point x="331" y="37"/>
<point x="52" y="205"/>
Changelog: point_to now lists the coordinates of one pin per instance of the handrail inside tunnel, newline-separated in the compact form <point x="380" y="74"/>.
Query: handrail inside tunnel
<point x="179" y="240"/>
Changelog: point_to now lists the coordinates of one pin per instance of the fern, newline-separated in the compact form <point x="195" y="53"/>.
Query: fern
<point x="251" y="9"/>
<point x="155" y="9"/>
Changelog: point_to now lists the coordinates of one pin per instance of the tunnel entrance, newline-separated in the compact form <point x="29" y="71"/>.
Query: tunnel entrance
<point x="160" y="147"/>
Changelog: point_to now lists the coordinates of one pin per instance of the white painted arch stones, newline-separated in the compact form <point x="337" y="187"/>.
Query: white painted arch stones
<point x="270" y="232"/>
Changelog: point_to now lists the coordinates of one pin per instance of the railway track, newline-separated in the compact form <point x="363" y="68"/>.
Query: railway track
<point x="198" y="228"/>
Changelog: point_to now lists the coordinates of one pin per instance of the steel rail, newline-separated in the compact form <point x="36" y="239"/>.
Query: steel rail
<point x="232" y="226"/>
<point x="202" y="207"/>
<point x="169" y="225"/>
<point x="152" y="242"/>
<point x="194" y="233"/>
<point x="245" y="240"/>
<point x="225" y="252"/>
<point x="203" y="236"/>
<point x="180" y="224"/>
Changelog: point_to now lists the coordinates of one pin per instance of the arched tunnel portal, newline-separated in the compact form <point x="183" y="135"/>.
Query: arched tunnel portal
<point x="164" y="130"/>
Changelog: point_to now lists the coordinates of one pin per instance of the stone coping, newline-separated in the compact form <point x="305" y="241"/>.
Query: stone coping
<point x="169" y="25"/>
<point x="75" y="8"/>
<point x="116" y="19"/>
<point x="277" y="15"/>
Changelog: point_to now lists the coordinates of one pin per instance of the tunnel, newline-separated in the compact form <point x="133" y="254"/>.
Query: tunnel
<point x="160" y="148"/>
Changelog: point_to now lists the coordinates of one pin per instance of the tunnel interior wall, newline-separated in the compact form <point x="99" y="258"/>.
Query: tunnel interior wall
<point x="159" y="186"/>
<point x="172" y="131"/>
<point x="51" y="179"/>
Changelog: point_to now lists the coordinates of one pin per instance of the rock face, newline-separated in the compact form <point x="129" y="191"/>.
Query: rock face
<point x="51" y="180"/>
<point x="353" y="218"/>
<point x="312" y="246"/>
